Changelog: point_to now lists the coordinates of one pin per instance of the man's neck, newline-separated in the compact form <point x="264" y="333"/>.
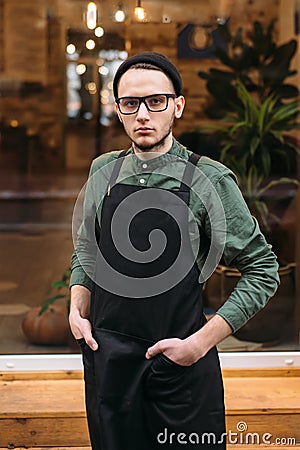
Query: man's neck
<point x="145" y="155"/>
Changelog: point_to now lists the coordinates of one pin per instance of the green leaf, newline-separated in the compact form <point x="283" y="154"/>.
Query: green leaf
<point x="254" y="145"/>
<point x="251" y="110"/>
<point x="224" y="152"/>
<point x="278" y="182"/>
<point x="285" y="112"/>
<point x="277" y="135"/>
<point x="266" y="161"/>
<point x="265" y="111"/>
<point x="49" y="302"/>
<point x="59" y="284"/>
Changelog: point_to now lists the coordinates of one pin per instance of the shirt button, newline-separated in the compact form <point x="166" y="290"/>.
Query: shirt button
<point x="144" y="166"/>
<point x="142" y="180"/>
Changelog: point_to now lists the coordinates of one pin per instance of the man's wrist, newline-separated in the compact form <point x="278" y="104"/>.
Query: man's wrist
<point x="213" y="332"/>
<point x="80" y="301"/>
<point x="196" y="345"/>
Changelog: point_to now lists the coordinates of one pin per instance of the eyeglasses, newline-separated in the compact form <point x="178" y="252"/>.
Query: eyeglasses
<point x="153" y="103"/>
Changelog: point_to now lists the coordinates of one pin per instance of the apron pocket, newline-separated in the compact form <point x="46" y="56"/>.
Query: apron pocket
<point x="81" y="343"/>
<point x="171" y="362"/>
<point x="88" y="361"/>
<point x="167" y="396"/>
<point x="167" y="383"/>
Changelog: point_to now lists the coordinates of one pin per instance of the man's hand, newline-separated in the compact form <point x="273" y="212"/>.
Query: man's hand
<point x="78" y="318"/>
<point x="186" y="352"/>
<point x="82" y="328"/>
<point x="181" y="351"/>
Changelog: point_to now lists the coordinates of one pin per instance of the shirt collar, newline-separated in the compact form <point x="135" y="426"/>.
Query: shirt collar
<point x="152" y="164"/>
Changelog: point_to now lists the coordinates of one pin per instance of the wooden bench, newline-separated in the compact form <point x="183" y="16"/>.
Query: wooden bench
<point x="46" y="410"/>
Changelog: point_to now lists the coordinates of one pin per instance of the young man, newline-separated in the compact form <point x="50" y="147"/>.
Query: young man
<point x="157" y="220"/>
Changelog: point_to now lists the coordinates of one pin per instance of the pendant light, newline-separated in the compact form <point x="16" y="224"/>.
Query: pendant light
<point x="91" y="16"/>
<point x="139" y="11"/>
<point x="120" y="13"/>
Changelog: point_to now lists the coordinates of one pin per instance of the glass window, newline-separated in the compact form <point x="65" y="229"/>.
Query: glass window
<point x="52" y="124"/>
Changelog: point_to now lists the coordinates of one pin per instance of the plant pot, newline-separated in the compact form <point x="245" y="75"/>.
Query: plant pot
<point x="270" y="323"/>
<point x="49" y="328"/>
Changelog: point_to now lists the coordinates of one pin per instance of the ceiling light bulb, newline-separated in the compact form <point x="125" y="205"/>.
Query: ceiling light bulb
<point x="139" y="13"/>
<point x="71" y="49"/>
<point x="99" y="32"/>
<point x="81" y="69"/>
<point x="91" y="16"/>
<point x="90" y="44"/>
<point x="120" y="15"/>
<point x="103" y="70"/>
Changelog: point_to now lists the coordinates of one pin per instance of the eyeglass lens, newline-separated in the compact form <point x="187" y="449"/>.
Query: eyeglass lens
<point x="130" y="105"/>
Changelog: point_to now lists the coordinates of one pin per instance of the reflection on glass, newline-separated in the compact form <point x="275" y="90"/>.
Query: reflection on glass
<point x="90" y="44"/>
<point x="99" y="32"/>
<point x="71" y="49"/>
<point x="83" y="83"/>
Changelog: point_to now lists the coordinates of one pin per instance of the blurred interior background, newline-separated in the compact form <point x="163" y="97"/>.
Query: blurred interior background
<point x="57" y="113"/>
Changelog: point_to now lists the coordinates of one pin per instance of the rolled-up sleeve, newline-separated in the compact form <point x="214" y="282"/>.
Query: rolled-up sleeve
<point x="83" y="261"/>
<point x="245" y="249"/>
<point x="84" y="255"/>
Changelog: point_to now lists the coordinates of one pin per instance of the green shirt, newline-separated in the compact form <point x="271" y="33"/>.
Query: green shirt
<point x="214" y="199"/>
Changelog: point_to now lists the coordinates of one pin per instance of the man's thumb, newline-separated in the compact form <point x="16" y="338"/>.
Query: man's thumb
<point x="91" y="343"/>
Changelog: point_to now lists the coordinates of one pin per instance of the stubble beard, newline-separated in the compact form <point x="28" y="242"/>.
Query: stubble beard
<point x="155" y="146"/>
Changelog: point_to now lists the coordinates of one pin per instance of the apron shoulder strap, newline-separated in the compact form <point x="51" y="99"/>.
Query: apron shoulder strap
<point x="117" y="167"/>
<point x="189" y="172"/>
<point x="187" y="175"/>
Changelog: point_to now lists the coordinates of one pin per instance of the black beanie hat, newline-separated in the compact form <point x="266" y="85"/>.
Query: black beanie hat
<point x="157" y="60"/>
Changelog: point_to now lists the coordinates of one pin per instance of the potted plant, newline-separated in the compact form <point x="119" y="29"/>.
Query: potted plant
<point x="48" y="324"/>
<point x="244" y="148"/>
<point x="257" y="61"/>
<point x="250" y="137"/>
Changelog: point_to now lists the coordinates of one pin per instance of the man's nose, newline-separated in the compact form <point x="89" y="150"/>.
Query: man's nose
<point x="143" y="112"/>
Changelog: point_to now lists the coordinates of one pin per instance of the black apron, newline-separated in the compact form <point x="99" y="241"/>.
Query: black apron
<point x="138" y="404"/>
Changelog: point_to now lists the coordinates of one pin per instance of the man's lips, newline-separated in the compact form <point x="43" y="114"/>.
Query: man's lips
<point x="144" y="130"/>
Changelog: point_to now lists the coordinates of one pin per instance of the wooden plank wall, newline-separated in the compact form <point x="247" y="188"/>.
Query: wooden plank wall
<point x="35" y="38"/>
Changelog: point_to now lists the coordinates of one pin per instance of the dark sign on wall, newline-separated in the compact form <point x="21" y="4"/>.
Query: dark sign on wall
<point x="200" y="41"/>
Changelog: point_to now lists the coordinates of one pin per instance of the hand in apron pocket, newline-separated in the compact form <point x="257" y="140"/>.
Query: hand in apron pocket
<point x="167" y="396"/>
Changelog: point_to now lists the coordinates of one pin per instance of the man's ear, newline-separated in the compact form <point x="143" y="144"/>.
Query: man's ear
<point x="179" y="106"/>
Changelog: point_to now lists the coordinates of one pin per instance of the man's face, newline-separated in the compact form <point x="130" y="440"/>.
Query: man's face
<point x="149" y="131"/>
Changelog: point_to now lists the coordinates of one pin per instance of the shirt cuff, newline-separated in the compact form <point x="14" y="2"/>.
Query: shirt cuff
<point x="234" y="317"/>
<point x="78" y="276"/>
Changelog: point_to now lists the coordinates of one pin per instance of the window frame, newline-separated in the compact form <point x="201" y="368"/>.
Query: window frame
<point x="72" y="362"/>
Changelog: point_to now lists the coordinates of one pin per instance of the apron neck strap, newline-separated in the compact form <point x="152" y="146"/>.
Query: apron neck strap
<point x="117" y="167"/>
<point x="189" y="172"/>
<point x="187" y="175"/>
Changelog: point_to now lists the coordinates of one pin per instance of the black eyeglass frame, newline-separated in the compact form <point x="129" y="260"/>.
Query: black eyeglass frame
<point x="142" y="100"/>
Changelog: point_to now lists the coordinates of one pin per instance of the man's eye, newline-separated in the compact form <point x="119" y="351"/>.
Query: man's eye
<point x="130" y="103"/>
<point x="155" y="100"/>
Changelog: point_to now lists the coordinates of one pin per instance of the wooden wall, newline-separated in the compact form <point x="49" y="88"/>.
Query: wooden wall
<point x="32" y="73"/>
<point x="33" y="36"/>
<point x="163" y="38"/>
